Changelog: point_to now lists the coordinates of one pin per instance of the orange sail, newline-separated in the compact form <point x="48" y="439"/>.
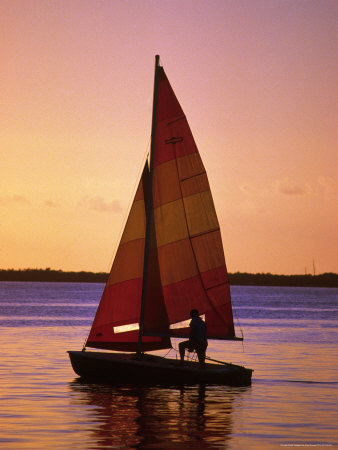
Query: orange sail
<point x="170" y="258"/>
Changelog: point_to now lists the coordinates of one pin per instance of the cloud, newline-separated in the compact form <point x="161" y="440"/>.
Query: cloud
<point x="247" y="189"/>
<point x="327" y="185"/>
<point x="50" y="204"/>
<point x="321" y="185"/>
<point x="288" y="187"/>
<point x="8" y="200"/>
<point x="99" y="204"/>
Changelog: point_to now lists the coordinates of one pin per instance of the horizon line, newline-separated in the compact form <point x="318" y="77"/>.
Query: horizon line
<point x="49" y="269"/>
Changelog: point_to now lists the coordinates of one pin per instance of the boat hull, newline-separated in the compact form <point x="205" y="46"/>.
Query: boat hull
<point x="150" y="369"/>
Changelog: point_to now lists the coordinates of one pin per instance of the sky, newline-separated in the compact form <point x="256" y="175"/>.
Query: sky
<point x="257" y="80"/>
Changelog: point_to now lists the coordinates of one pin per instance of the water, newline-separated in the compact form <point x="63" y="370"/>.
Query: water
<point x="290" y="342"/>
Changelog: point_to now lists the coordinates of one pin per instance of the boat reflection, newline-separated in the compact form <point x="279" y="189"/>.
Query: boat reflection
<point x="156" y="417"/>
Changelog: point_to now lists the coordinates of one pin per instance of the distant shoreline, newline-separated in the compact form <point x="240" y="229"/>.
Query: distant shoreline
<point x="238" y="278"/>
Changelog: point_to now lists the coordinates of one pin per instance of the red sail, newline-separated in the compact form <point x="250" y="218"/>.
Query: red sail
<point x="116" y="322"/>
<point x="186" y="235"/>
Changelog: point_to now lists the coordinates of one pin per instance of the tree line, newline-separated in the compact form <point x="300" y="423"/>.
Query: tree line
<point x="238" y="278"/>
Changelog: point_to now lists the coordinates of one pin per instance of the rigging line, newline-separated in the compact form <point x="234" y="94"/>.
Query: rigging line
<point x="84" y="344"/>
<point x="239" y="325"/>
<point x="171" y="348"/>
<point x="126" y="215"/>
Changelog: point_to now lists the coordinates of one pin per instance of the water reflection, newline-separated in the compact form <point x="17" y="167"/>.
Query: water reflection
<point x="157" y="417"/>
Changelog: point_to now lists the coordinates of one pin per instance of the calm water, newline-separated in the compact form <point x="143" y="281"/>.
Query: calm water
<point x="290" y="342"/>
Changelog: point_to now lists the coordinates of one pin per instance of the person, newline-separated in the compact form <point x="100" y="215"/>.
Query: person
<point x="197" y="339"/>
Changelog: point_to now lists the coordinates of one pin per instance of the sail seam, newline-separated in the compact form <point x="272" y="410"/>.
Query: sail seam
<point x="190" y="236"/>
<point x="216" y="285"/>
<point x="192" y="176"/>
<point x="198" y="273"/>
<point x="176" y="120"/>
<point x="202" y="233"/>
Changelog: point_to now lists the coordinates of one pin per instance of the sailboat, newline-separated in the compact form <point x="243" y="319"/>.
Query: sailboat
<point x="170" y="260"/>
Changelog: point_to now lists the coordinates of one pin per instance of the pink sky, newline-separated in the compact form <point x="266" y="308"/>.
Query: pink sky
<point x="257" y="81"/>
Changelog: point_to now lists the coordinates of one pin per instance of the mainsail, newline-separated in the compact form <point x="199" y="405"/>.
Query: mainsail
<point x="185" y="264"/>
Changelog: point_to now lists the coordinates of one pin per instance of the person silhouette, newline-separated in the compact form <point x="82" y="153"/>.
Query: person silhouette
<point x="197" y="339"/>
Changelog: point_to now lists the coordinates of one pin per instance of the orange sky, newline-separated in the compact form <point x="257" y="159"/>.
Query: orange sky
<point x="257" y="81"/>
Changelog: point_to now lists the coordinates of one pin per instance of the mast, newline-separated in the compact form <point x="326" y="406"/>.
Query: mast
<point x="149" y="204"/>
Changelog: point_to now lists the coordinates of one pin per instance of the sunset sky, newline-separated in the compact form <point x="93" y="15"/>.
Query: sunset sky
<point x="257" y="80"/>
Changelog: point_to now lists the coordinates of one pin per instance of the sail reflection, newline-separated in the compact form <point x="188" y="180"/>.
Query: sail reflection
<point x="156" y="417"/>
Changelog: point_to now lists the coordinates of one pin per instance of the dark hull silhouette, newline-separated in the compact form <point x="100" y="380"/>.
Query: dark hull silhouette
<point x="150" y="369"/>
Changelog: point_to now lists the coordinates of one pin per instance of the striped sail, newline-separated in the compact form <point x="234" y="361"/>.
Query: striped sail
<point x="185" y="266"/>
<point x="186" y="231"/>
